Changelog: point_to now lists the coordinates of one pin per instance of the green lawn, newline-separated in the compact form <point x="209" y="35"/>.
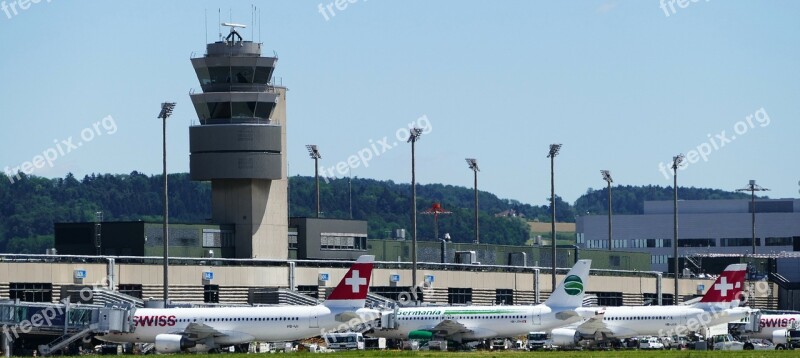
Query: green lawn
<point x="610" y="354"/>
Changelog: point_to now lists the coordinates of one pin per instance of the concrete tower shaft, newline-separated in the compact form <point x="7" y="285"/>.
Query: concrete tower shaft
<point x="240" y="145"/>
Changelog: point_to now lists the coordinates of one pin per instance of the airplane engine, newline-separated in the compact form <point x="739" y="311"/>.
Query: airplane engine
<point x="565" y="337"/>
<point x="172" y="343"/>
<point x="421" y="335"/>
<point x="779" y="336"/>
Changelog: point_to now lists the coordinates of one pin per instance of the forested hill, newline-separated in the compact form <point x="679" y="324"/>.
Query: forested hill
<point x="630" y="199"/>
<point x="29" y="206"/>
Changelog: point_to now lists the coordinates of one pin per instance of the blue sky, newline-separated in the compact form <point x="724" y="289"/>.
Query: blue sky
<point x="624" y="85"/>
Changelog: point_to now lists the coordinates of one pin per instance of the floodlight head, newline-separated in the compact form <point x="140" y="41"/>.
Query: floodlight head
<point x="607" y="176"/>
<point x="414" y="134"/>
<point x="753" y="187"/>
<point x="473" y="164"/>
<point x="677" y="160"/>
<point x="554" y="148"/>
<point x="166" y="110"/>
<point x="313" y="151"/>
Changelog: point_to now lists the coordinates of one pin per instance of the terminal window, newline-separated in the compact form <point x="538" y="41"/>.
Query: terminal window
<point x="504" y="296"/>
<point x="31" y="291"/>
<point x="741" y="241"/>
<point x="651" y="299"/>
<point x="133" y="290"/>
<point x="309" y="290"/>
<point x="778" y="241"/>
<point x="343" y="241"/>
<point x="396" y="293"/>
<point x="211" y="293"/>
<point x="77" y="293"/>
<point x="456" y="296"/>
<point x="608" y="298"/>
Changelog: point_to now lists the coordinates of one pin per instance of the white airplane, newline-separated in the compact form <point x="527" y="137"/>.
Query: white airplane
<point x="470" y="323"/>
<point x="716" y="307"/>
<point x="775" y="326"/>
<point x="202" y="329"/>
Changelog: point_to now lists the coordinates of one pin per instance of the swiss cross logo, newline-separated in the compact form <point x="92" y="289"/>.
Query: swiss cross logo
<point x="723" y="286"/>
<point x="355" y="282"/>
<point x="728" y="286"/>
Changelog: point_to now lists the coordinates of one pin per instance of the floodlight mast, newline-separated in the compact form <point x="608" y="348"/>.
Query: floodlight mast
<point x="554" y="149"/>
<point x="313" y="152"/>
<point x="753" y="188"/>
<point x="473" y="165"/>
<point x="413" y="137"/>
<point x="607" y="178"/>
<point x="166" y="111"/>
<point x="676" y="163"/>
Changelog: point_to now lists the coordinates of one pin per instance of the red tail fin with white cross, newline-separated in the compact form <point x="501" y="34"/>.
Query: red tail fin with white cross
<point x="354" y="286"/>
<point x="729" y="285"/>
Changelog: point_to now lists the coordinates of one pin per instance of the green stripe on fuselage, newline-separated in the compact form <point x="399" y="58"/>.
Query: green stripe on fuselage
<point x="482" y="312"/>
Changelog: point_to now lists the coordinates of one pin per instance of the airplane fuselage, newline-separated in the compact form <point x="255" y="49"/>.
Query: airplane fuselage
<point x="771" y="323"/>
<point x="480" y="322"/>
<point x="238" y="324"/>
<point x="625" y="322"/>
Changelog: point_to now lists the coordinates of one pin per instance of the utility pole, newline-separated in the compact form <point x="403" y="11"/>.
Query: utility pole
<point x="166" y="111"/>
<point x="313" y="151"/>
<point x="753" y="188"/>
<point x="414" y="135"/>
<point x="473" y="165"/>
<point x="607" y="178"/>
<point x="554" y="148"/>
<point x="676" y="163"/>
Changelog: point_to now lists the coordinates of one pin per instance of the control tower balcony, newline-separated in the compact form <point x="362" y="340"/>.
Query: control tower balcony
<point x="234" y="107"/>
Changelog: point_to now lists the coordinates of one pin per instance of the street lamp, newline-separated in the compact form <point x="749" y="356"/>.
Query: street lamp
<point x="676" y="163"/>
<point x="413" y="137"/>
<point x="554" y="148"/>
<point x="166" y="111"/>
<point x="607" y="178"/>
<point x="753" y="188"/>
<point x="314" y="153"/>
<point x="473" y="164"/>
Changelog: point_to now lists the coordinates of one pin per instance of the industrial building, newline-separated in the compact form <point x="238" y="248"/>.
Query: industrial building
<point x="704" y="227"/>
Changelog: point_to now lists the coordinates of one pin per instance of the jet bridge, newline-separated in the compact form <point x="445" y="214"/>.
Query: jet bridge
<point x="67" y="321"/>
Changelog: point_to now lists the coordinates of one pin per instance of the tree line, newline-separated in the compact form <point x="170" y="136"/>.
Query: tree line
<point x="30" y="205"/>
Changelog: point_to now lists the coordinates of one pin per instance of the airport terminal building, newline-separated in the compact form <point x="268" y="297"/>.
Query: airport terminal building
<point x="704" y="227"/>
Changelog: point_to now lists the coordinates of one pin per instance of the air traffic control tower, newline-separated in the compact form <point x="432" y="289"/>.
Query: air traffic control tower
<point x="240" y="144"/>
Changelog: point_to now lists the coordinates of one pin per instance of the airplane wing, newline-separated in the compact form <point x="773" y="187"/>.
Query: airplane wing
<point x="595" y="326"/>
<point x="450" y="327"/>
<point x="567" y="314"/>
<point x="199" y="331"/>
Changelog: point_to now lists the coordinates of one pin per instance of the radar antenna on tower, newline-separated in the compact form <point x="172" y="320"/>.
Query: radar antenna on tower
<point x="233" y="32"/>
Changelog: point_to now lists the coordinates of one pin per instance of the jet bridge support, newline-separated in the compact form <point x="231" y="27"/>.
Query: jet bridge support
<point x="5" y="344"/>
<point x="104" y="320"/>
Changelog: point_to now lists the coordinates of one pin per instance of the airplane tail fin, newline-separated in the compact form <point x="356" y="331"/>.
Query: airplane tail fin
<point x="570" y="292"/>
<point x="728" y="286"/>
<point x="351" y="292"/>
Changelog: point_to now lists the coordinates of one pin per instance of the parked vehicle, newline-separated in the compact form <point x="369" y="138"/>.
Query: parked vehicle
<point x="499" y="344"/>
<point x="725" y="342"/>
<point x="758" y="345"/>
<point x="344" y="341"/>
<point x="538" y="340"/>
<point x="375" y="343"/>
<point x="651" y="343"/>
<point x="793" y="338"/>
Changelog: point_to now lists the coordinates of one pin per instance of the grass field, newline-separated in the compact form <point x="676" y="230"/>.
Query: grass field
<point x="514" y="354"/>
